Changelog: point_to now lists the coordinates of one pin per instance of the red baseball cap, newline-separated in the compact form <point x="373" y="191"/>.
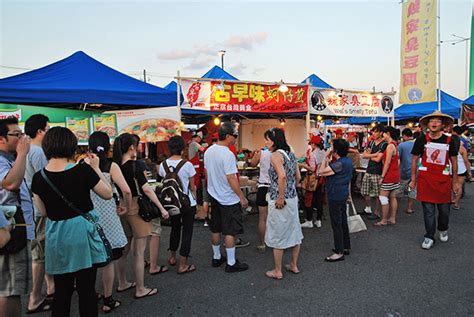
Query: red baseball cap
<point x="352" y="133"/>
<point x="338" y="131"/>
<point x="316" y="139"/>
<point x="215" y="136"/>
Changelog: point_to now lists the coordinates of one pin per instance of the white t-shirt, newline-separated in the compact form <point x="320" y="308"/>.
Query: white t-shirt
<point x="186" y="171"/>
<point x="265" y="160"/>
<point x="219" y="162"/>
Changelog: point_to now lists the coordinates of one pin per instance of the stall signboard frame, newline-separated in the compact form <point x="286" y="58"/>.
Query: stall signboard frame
<point x="227" y="96"/>
<point x="350" y="103"/>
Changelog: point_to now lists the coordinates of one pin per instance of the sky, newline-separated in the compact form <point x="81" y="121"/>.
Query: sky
<point x="349" y="44"/>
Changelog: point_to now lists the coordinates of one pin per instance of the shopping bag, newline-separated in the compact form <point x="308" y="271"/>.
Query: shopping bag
<point x="355" y="221"/>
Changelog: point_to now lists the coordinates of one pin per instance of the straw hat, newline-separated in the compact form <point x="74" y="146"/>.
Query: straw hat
<point x="447" y="119"/>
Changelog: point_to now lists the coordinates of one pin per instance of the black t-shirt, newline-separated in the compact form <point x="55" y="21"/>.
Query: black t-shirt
<point x="376" y="167"/>
<point x="420" y="142"/>
<point x="74" y="183"/>
<point x="127" y="171"/>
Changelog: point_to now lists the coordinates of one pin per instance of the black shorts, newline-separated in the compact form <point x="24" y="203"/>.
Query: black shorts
<point x="262" y="196"/>
<point x="226" y="219"/>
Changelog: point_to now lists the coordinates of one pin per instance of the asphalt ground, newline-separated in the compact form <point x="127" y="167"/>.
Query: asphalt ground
<point x="386" y="274"/>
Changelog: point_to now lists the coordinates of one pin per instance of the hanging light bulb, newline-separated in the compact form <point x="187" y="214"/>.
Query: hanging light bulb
<point x="217" y="121"/>
<point x="373" y="124"/>
<point x="320" y="118"/>
<point x="410" y="124"/>
<point x="282" y="121"/>
<point x="283" y="87"/>
<point x="181" y="124"/>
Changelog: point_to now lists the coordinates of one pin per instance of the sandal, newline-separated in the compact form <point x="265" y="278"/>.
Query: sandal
<point x="161" y="269"/>
<point x="379" y="224"/>
<point x="110" y="303"/>
<point x="288" y="268"/>
<point x="151" y="292"/>
<point x="271" y="274"/>
<point x="41" y="308"/>
<point x="132" y="285"/>
<point x="188" y="269"/>
<point x="456" y="207"/>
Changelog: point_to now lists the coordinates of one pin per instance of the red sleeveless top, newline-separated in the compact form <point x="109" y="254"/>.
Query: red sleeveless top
<point x="393" y="173"/>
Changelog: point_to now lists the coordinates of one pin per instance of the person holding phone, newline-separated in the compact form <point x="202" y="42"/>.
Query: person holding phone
<point x="283" y="225"/>
<point x="338" y="178"/>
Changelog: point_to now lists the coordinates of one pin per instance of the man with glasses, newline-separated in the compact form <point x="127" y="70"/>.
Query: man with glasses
<point x="14" y="194"/>
<point x="226" y="198"/>
<point x="36" y="127"/>
<point x="438" y="153"/>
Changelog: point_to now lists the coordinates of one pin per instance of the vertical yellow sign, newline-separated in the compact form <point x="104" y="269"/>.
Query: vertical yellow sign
<point x="418" y="52"/>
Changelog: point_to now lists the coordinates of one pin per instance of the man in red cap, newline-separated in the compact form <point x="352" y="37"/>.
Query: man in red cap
<point x="339" y="133"/>
<point x="438" y="153"/>
<point x="313" y="197"/>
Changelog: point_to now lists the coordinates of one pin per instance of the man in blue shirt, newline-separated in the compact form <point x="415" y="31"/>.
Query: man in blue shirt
<point x="404" y="152"/>
<point x="14" y="267"/>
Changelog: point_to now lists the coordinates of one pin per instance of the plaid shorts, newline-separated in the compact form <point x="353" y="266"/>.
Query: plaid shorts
<point x="15" y="273"/>
<point x="371" y="185"/>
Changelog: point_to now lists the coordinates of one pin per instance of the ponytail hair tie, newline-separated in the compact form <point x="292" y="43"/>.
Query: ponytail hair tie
<point x="100" y="149"/>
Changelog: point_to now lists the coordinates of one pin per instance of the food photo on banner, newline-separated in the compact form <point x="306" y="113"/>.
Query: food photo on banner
<point x="329" y="102"/>
<point x="224" y="96"/>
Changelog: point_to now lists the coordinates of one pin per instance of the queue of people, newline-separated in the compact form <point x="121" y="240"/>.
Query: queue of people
<point x="69" y="219"/>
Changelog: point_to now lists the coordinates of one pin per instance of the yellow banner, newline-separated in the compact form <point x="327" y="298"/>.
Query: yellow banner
<point x="418" y="52"/>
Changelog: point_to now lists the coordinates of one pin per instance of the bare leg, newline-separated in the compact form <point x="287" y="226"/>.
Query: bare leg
<point x="37" y="272"/>
<point x="216" y="238"/>
<point x="10" y="306"/>
<point x="378" y="206"/>
<point x="410" y="205"/>
<point x="393" y="207"/>
<point x="295" y="252"/>
<point x="108" y="275"/>
<point x="154" y="248"/>
<point x="139" y="259"/>
<point x="385" y="208"/>
<point x="49" y="284"/>
<point x="457" y="196"/>
<point x="277" y="257"/>
<point x="262" y="223"/>
<point x="367" y="200"/>
<point x="229" y="241"/>
<point x="121" y="266"/>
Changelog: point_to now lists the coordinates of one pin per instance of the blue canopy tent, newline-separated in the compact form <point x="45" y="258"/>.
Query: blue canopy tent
<point x="315" y="81"/>
<point x="218" y="73"/>
<point x="80" y="79"/>
<point x="173" y="86"/>
<point x="469" y="101"/>
<point x="449" y="105"/>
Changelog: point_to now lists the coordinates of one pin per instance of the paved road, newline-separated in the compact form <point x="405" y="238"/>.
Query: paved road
<point x="387" y="274"/>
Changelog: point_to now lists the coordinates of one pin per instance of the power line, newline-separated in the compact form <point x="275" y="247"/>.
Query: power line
<point x="13" y="67"/>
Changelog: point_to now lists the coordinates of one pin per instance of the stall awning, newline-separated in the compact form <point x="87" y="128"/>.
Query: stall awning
<point x="315" y="81"/>
<point x="469" y="101"/>
<point x="218" y="73"/>
<point x="80" y="79"/>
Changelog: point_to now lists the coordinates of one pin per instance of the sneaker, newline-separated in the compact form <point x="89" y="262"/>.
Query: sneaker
<point x="261" y="248"/>
<point x="307" y="224"/>
<point x="443" y="236"/>
<point x="427" y="244"/>
<point x="206" y="224"/>
<point x="237" y="267"/>
<point x="217" y="263"/>
<point x="241" y="243"/>
<point x="318" y="223"/>
<point x="368" y="210"/>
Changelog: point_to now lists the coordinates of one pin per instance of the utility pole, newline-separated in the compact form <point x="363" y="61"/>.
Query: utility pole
<point x="144" y="75"/>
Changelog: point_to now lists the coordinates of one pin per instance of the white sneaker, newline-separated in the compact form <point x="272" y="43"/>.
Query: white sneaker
<point x="307" y="224"/>
<point x="427" y="244"/>
<point x="443" y="236"/>
<point x="318" y="223"/>
<point x="368" y="210"/>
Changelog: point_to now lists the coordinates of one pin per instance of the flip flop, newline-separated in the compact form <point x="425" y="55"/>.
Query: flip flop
<point x="409" y="212"/>
<point x="271" y="274"/>
<point x="288" y="268"/>
<point x="189" y="269"/>
<point x="379" y="224"/>
<point x="41" y="308"/>
<point x="133" y="285"/>
<point x="389" y="223"/>
<point x="162" y="269"/>
<point x="149" y="294"/>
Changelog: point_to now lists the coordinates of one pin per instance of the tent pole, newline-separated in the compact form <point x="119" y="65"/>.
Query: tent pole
<point x="308" y="104"/>
<point x="439" y="54"/>
<point x="178" y="100"/>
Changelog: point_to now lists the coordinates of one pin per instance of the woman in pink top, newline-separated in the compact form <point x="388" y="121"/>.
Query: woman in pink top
<point x="390" y="178"/>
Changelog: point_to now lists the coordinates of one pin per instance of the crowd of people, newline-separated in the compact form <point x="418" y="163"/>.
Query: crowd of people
<point x="64" y="219"/>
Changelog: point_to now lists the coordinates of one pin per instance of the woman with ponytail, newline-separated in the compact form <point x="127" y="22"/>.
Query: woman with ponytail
<point x="109" y="212"/>
<point x="125" y="153"/>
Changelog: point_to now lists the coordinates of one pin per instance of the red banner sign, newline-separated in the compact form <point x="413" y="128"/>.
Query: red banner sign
<point x="252" y="97"/>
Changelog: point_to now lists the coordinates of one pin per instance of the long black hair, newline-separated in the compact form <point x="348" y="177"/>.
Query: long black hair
<point x="277" y="136"/>
<point x="121" y="145"/>
<point x="99" y="144"/>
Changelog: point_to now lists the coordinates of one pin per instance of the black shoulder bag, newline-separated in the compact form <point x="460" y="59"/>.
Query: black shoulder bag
<point x="98" y="227"/>
<point x="18" y="238"/>
<point x="147" y="210"/>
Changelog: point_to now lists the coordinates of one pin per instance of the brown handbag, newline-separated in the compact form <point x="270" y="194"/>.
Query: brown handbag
<point x="310" y="182"/>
